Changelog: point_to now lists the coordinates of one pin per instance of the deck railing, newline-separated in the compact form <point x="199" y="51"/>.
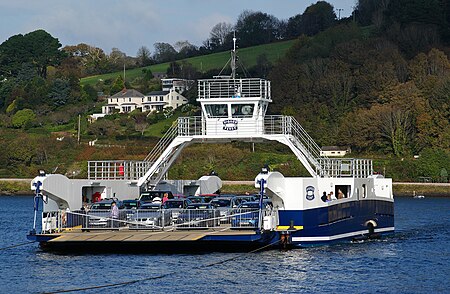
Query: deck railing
<point x="154" y="219"/>
<point x="117" y="169"/>
<point x="233" y="88"/>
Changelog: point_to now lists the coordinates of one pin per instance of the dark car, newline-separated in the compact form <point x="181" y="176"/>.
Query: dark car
<point x="197" y="199"/>
<point x="225" y="205"/>
<point x="99" y="214"/>
<point x="175" y="206"/>
<point x="148" y="196"/>
<point x="246" y="215"/>
<point x="150" y="216"/>
<point x="131" y="204"/>
<point x="208" y="197"/>
<point x="198" y="215"/>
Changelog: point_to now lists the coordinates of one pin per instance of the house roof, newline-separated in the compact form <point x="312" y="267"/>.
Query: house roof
<point x="158" y="93"/>
<point x="127" y="93"/>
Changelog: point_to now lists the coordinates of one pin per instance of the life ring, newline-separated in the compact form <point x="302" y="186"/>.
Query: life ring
<point x="371" y="225"/>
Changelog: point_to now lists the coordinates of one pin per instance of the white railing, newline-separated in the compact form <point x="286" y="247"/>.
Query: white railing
<point x="162" y="144"/>
<point x="153" y="219"/>
<point x="196" y="126"/>
<point x="347" y="167"/>
<point x="233" y="88"/>
<point x="117" y="169"/>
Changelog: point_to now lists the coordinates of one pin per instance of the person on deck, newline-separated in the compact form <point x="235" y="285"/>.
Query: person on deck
<point x="331" y="196"/>
<point x="114" y="214"/>
<point x="324" y="197"/>
<point x="165" y="197"/>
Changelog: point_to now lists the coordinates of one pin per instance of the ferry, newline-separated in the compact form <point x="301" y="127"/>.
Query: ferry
<point x="342" y="199"/>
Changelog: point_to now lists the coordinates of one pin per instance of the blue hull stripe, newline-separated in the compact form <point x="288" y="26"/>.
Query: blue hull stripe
<point x="342" y="220"/>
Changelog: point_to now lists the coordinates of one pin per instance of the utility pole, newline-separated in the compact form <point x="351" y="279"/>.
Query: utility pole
<point x="79" y="123"/>
<point x="339" y="12"/>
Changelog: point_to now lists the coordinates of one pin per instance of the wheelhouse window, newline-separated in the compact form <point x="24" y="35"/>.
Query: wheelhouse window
<point x="242" y="110"/>
<point x="217" y="110"/>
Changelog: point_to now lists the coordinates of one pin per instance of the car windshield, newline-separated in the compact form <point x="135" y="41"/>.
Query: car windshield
<point x="148" y="196"/>
<point x="129" y="205"/>
<point x="249" y="205"/>
<point x="221" y="202"/>
<point x="101" y="206"/>
<point x="173" y="204"/>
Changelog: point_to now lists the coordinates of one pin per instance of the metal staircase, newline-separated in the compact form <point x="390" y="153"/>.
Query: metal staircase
<point x="306" y="145"/>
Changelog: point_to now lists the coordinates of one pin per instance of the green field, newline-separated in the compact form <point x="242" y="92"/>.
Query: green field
<point x="204" y="63"/>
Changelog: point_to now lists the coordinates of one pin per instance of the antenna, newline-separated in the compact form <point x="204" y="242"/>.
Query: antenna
<point x="124" y="75"/>
<point x="233" y="58"/>
<point x="339" y="11"/>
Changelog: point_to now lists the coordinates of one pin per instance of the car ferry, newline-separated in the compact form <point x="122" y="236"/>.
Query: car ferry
<point x="342" y="199"/>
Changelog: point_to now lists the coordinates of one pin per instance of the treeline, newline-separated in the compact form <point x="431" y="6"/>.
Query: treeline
<point x="380" y="89"/>
<point x="251" y="28"/>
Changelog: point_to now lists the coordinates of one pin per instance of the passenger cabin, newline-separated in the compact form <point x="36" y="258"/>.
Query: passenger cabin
<point x="234" y="107"/>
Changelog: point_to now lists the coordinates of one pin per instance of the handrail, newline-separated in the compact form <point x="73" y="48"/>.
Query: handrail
<point x="163" y="143"/>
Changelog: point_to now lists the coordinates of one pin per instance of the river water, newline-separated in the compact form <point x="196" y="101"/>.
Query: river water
<point x="416" y="259"/>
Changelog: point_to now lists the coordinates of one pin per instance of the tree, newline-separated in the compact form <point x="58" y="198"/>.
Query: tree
<point x="59" y="93"/>
<point x="219" y="34"/>
<point x="294" y="26"/>
<point x="38" y="48"/>
<point x="23" y="118"/>
<point x="164" y="52"/>
<point x="254" y="28"/>
<point x="144" y="56"/>
<point x="317" y="17"/>
<point x="117" y="86"/>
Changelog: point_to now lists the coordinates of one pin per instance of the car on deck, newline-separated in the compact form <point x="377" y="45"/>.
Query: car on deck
<point x="198" y="215"/>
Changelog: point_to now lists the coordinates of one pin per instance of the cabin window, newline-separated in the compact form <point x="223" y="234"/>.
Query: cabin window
<point x="242" y="110"/>
<point x="342" y="191"/>
<point x="217" y="110"/>
<point x="364" y="191"/>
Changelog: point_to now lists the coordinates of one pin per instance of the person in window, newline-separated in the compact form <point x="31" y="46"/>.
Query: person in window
<point x="340" y="194"/>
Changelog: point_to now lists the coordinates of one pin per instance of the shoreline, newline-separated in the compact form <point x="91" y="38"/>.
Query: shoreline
<point x="21" y="187"/>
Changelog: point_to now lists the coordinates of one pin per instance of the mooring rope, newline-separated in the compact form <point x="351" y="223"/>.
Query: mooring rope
<point x="160" y="276"/>
<point x="16" y="245"/>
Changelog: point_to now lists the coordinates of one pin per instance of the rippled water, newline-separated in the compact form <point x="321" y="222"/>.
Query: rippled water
<point x="416" y="259"/>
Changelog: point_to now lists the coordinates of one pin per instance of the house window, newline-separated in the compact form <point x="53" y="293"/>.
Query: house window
<point x="178" y="98"/>
<point x="129" y="99"/>
<point x="161" y="98"/>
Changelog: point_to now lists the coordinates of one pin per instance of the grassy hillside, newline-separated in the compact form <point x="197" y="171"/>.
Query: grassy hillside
<point x="206" y="62"/>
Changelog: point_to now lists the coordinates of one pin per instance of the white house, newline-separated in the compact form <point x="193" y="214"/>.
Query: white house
<point x="125" y="101"/>
<point x="334" y="151"/>
<point x="128" y="100"/>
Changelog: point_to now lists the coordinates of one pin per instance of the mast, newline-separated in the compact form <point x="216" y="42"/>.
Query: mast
<point x="233" y="58"/>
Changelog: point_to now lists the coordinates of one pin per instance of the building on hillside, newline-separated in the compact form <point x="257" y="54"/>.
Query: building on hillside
<point x="176" y="84"/>
<point x="125" y="101"/>
<point x="157" y="100"/>
<point x="128" y="100"/>
<point x="335" y="151"/>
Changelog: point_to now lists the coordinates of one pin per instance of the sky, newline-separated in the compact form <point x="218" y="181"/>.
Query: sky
<point x="130" y="24"/>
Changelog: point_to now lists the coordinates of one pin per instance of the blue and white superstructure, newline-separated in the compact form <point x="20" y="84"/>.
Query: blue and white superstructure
<point x="342" y="199"/>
